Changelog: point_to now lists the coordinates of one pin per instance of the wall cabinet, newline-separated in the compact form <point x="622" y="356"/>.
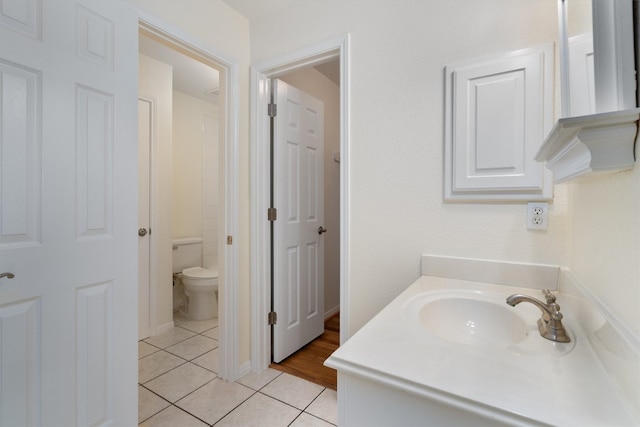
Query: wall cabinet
<point x="498" y="111"/>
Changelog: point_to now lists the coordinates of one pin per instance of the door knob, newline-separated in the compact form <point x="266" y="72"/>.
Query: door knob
<point x="7" y="275"/>
<point x="142" y="232"/>
<point x="321" y="230"/>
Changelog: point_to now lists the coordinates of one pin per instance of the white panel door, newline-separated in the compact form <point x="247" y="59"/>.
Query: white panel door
<point x="299" y="199"/>
<point x="145" y="117"/>
<point x="68" y="153"/>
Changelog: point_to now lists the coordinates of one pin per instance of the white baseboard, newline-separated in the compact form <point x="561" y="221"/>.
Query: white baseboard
<point x="243" y="369"/>
<point x="164" y="328"/>
<point x="331" y="312"/>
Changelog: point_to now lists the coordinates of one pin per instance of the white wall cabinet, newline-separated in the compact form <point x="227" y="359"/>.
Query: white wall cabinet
<point x="498" y="111"/>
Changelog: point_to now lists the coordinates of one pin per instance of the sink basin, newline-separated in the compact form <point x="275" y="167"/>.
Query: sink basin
<point x="470" y="321"/>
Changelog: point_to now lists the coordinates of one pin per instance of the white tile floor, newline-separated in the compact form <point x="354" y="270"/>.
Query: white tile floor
<point x="178" y="386"/>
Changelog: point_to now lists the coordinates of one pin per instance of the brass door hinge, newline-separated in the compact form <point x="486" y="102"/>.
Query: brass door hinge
<point x="229" y="240"/>
<point x="272" y="214"/>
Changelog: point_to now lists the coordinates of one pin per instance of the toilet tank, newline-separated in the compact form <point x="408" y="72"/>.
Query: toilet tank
<point x="187" y="252"/>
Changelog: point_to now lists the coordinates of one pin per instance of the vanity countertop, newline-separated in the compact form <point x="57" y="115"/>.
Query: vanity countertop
<point x="536" y="382"/>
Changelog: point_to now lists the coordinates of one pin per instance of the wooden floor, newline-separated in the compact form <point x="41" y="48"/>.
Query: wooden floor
<point x="307" y="362"/>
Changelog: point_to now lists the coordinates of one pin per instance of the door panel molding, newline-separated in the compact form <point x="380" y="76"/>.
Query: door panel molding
<point x="20" y="360"/>
<point x="94" y="163"/>
<point x="21" y="160"/>
<point x="94" y="353"/>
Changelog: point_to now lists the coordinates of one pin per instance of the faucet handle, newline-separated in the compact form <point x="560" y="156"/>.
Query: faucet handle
<point x="551" y="298"/>
<point x="554" y="308"/>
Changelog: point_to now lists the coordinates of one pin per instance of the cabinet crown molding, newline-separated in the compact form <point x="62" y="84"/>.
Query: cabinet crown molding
<point x="601" y="142"/>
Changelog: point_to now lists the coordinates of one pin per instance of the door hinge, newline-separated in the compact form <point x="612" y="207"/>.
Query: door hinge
<point x="273" y="318"/>
<point x="229" y="240"/>
<point x="272" y="110"/>
<point x="272" y="214"/>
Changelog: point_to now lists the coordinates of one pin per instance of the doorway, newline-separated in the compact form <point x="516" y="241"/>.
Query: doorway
<point x="161" y="246"/>
<point x="333" y="50"/>
<point x="178" y="179"/>
<point x="306" y="192"/>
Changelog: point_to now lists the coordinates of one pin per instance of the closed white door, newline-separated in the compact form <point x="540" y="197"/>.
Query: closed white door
<point x="144" y="218"/>
<point x="68" y="158"/>
<point x="299" y="229"/>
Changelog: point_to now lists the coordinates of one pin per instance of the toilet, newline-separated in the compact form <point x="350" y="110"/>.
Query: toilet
<point x="200" y="285"/>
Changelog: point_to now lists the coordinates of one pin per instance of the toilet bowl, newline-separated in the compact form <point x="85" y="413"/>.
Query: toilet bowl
<point x="201" y="289"/>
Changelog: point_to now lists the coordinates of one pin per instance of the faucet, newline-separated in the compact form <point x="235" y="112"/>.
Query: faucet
<point x="550" y="324"/>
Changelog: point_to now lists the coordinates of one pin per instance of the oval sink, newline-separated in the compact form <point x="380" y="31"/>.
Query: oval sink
<point x="472" y="322"/>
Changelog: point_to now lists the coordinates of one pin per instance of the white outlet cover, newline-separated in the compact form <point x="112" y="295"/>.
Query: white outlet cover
<point x="537" y="216"/>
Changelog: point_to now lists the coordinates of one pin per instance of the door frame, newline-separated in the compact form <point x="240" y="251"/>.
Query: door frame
<point x="228" y="325"/>
<point x="261" y="73"/>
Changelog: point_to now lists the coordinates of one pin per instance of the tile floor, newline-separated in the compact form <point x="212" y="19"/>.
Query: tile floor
<point x="178" y="386"/>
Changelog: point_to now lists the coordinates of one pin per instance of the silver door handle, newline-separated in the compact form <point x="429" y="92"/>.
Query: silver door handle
<point x="142" y="232"/>
<point x="7" y="275"/>
<point x="321" y="230"/>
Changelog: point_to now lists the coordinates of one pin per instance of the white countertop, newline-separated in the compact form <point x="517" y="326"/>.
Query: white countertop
<point x="535" y="382"/>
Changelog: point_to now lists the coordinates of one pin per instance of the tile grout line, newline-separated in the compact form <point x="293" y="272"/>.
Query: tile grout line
<point x="239" y="404"/>
<point x="154" y="414"/>
<point x="254" y="391"/>
<point x="186" y="361"/>
<point x="190" y="393"/>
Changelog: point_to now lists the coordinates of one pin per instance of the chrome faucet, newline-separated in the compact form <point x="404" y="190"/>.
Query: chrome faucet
<point x="550" y="324"/>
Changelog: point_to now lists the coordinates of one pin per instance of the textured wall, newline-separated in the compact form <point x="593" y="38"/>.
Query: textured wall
<point x="605" y="213"/>
<point x="397" y="53"/>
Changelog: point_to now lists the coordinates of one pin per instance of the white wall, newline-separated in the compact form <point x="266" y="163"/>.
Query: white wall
<point x="210" y="184"/>
<point x="187" y="166"/>
<point x="195" y="169"/>
<point x="155" y="82"/>
<point x="195" y="172"/>
<point x="397" y="53"/>
<point x="215" y="24"/>
<point x="605" y="249"/>
<point x="316" y="84"/>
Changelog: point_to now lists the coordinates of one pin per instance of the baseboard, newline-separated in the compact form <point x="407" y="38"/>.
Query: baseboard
<point x="164" y="328"/>
<point x="335" y="310"/>
<point x="243" y="369"/>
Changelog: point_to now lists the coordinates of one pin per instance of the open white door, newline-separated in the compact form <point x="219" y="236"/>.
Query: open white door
<point x="144" y="216"/>
<point x="68" y="121"/>
<point x="298" y="239"/>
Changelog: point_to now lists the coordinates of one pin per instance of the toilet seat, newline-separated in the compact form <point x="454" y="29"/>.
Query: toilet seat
<point x="200" y="273"/>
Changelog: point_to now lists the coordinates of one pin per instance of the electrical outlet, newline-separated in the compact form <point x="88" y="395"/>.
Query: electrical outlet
<point x="537" y="216"/>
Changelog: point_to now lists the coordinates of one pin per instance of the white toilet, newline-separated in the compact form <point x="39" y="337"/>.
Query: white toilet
<point x="200" y="284"/>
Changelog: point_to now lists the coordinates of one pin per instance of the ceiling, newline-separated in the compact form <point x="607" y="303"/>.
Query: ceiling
<point x="189" y="76"/>
<point x="251" y="9"/>
<point x="202" y="81"/>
